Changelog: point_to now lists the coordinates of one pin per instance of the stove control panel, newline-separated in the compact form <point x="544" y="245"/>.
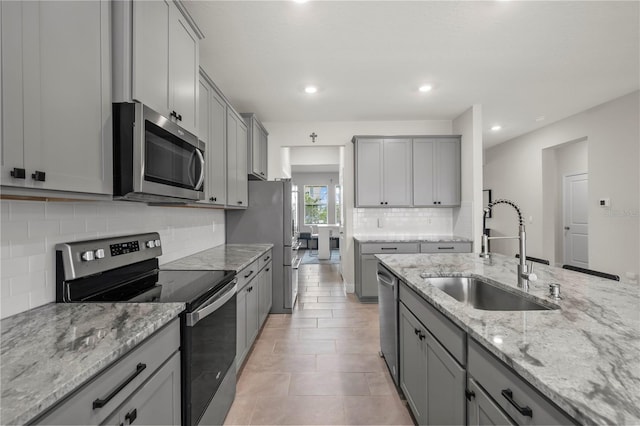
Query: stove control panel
<point x="83" y="258"/>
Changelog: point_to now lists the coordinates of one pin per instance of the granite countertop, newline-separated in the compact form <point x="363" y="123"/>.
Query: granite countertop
<point x="584" y="356"/>
<point x="225" y="257"/>
<point x="48" y="352"/>
<point x="398" y="238"/>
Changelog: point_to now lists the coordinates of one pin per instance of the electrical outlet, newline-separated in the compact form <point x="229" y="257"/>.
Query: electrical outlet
<point x="380" y="222"/>
<point x="604" y="202"/>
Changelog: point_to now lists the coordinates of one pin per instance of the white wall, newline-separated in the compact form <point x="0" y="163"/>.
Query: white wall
<point x="514" y="170"/>
<point x="339" y="133"/>
<point x="329" y="179"/>
<point x="302" y="155"/>
<point x="31" y="229"/>
<point x="468" y="217"/>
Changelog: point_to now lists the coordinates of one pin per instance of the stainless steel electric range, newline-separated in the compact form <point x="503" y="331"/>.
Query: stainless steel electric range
<point x="125" y="269"/>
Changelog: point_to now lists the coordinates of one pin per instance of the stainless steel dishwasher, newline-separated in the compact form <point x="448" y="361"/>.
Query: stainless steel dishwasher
<point x="388" y="308"/>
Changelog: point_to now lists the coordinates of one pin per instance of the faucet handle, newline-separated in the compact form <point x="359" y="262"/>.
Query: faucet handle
<point x="532" y="277"/>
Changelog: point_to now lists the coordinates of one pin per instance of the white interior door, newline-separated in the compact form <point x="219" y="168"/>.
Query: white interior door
<point x="576" y="220"/>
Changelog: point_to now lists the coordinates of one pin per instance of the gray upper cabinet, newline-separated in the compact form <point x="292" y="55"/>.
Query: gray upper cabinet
<point x="212" y="126"/>
<point x="237" y="180"/>
<point x="56" y="97"/>
<point x="156" y="57"/>
<point x="436" y="171"/>
<point x="383" y="172"/>
<point x="257" y="147"/>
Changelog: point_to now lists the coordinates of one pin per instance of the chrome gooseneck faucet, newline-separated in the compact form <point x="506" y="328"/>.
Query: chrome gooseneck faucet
<point x="525" y="273"/>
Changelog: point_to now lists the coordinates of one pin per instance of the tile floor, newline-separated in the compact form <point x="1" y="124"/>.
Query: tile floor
<point x="319" y="365"/>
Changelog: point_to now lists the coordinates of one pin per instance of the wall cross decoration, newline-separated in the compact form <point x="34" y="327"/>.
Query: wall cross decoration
<point x="313" y="137"/>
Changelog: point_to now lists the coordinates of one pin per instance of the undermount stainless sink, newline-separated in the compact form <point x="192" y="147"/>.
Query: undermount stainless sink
<point x="485" y="296"/>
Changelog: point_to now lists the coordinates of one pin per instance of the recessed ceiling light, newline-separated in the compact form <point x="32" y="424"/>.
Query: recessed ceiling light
<point x="310" y="89"/>
<point x="425" y="88"/>
<point x="300" y="1"/>
<point x="496" y="128"/>
<point x="541" y="118"/>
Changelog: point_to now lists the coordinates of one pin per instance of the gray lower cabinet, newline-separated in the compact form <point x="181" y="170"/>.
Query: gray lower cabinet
<point x="514" y="396"/>
<point x="254" y="300"/>
<point x="143" y="386"/>
<point x="481" y="410"/>
<point x="431" y="379"/>
<point x="157" y="402"/>
<point x="366" y="284"/>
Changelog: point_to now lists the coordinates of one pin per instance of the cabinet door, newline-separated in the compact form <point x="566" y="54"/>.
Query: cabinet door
<point x="217" y="151"/>
<point x="369" y="173"/>
<point x="252" y="311"/>
<point x="204" y="112"/>
<point x="242" y="177"/>
<point x="183" y="71"/>
<point x="67" y="95"/>
<point x="264" y="157"/>
<point x="445" y="386"/>
<point x="448" y="175"/>
<point x="150" y="82"/>
<point x="369" y="284"/>
<point x="423" y="172"/>
<point x="157" y="402"/>
<point x="413" y="364"/>
<point x="482" y="411"/>
<point x="397" y="188"/>
<point x="232" y="159"/>
<point x="11" y="85"/>
<point x="256" y="148"/>
<point x="241" y="327"/>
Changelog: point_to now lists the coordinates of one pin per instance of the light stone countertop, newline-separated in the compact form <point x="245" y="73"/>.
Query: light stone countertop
<point x="585" y="356"/>
<point x="225" y="257"/>
<point x="405" y="238"/>
<point x="48" y="352"/>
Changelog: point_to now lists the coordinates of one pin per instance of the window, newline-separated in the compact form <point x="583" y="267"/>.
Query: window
<point x="316" y="204"/>
<point x="338" y="205"/>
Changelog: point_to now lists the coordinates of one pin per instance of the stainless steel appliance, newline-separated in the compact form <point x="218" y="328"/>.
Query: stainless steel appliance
<point x="268" y="219"/>
<point x="388" y="309"/>
<point x="125" y="269"/>
<point x="154" y="159"/>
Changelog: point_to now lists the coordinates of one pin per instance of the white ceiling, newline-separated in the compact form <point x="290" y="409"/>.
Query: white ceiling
<point x="519" y="60"/>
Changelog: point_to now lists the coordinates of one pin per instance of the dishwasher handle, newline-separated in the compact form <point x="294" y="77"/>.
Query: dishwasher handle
<point x="385" y="280"/>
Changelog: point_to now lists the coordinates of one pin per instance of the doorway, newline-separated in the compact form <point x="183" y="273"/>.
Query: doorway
<point x="576" y="220"/>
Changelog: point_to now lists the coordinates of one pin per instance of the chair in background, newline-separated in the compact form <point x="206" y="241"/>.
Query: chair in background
<point x="314" y="237"/>
<point x="592" y="272"/>
<point x="306" y="237"/>
<point x="534" y="259"/>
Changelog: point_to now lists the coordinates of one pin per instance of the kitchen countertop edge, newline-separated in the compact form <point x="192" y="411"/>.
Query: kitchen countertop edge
<point x="220" y="258"/>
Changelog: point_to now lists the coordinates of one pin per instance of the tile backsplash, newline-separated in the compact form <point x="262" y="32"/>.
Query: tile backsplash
<point x="415" y="221"/>
<point x="31" y="229"/>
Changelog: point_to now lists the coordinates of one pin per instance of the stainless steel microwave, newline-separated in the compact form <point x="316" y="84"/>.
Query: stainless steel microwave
<point x="154" y="159"/>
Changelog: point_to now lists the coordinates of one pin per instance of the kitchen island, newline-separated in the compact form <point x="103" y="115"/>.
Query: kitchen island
<point x="584" y="356"/>
<point x="50" y="351"/>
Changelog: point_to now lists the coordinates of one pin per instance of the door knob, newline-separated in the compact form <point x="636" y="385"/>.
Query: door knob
<point x="566" y="228"/>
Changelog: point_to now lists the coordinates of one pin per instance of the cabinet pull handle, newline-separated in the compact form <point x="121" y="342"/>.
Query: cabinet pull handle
<point x="18" y="173"/>
<point x="266" y="258"/>
<point x="39" y="176"/>
<point x="268" y="269"/>
<point x="239" y="202"/>
<point x="249" y="274"/>
<point x="381" y="202"/>
<point x="99" y="403"/>
<point x="388" y="248"/>
<point x="131" y="416"/>
<point x="419" y="333"/>
<point x="469" y="394"/>
<point x="446" y="248"/>
<point x="525" y="411"/>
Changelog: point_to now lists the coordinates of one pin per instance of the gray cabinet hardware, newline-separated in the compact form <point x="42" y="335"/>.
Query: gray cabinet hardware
<point x="99" y="403"/>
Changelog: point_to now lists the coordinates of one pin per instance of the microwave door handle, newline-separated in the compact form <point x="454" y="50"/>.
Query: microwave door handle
<point x="201" y="179"/>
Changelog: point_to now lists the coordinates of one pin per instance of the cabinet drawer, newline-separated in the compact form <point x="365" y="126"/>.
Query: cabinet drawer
<point x="501" y="383"/>
<point x="247" y="274"/>
<point x="264" y="259"/>
<point x="445" y="247"/>
<point x="447" y="333"/>
<point x="78" y="409"/>
<point x="389" y="248"/>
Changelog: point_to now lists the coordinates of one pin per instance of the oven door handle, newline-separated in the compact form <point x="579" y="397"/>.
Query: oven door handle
<point x="211" y="305"/>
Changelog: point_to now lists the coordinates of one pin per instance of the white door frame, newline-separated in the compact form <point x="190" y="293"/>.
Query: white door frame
<point x="569" y="228"/>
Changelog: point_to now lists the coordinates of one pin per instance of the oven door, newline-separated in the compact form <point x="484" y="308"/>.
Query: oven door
<point x="209" y="351"/>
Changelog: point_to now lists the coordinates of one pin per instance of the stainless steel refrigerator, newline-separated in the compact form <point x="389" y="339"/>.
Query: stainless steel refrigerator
<point x="268" y="219"/>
